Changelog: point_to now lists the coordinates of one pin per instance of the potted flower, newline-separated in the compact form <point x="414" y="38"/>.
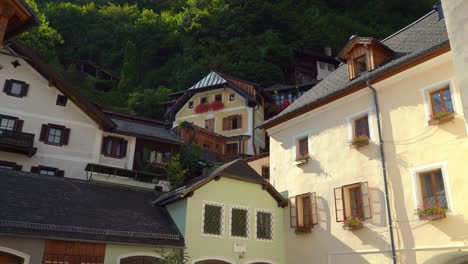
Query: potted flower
<point x="360" y="141"/>
<point x="302" y="159"/>
<point x="352" y="223"/>
<point x="202" y="108"/>
<point x="432" y="213"/>
<point x="216" y="105"/>
<point x="303" y="229"/>
<point x="441" y="117"/>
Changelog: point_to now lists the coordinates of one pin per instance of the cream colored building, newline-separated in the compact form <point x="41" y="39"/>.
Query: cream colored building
<point x="48" y="128"/>
<point x="402" y="95"/>
<point x="228" y="128"/>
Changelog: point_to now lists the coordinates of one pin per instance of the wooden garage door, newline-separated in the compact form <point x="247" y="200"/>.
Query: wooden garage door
<point x="68" y="252"/>
<point x="6" y="258"/>
<point x="140" y="260"/>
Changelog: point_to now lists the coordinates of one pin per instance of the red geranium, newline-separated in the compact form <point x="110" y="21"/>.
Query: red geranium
<point x="216" y="105"/>
<point x="201" y="108"/>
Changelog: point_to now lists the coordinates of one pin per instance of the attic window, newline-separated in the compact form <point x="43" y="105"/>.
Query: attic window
<point x="360" y="65"/>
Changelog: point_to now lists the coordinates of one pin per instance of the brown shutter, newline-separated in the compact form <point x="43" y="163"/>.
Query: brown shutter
<point x="123" y="152"/>
<point x="60" y="173"/>
<point x="239" y="121"/>
<point x="7" y="87"/>
<point x="314" y="209"/>
<point x="339" y="204"/>
<point x="225" y="123"/>
<point x="365" y="200"/>
<point x="293" y="212"/>
<point x="66" y="136"/>
<point x="24" y="90"/>
<point x="104" y="145"/>
<point x="34" y="169"/>
<point x="18" y="125"/>
<point x="44" y="130"/>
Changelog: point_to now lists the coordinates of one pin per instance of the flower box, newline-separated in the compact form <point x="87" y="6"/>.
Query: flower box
<point x="440" y="118"/>
<point x="302" y="160"/>
<point x="216" y="105"/>
<point x="360" y="142"/>
<point x="432" y="213"/>
<point x="202" y="108"/>
<point x="352" y="224"/>
<point x="303" y="230"/>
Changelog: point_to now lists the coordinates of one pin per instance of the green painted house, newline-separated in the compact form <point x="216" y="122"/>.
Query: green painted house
<point x="231" y="215"/>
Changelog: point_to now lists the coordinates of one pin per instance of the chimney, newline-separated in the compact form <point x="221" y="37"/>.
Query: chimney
<point x="327" y="51"/>
<point x="438" y="7"/>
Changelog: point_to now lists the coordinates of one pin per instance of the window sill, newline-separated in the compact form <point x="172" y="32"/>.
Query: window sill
<point x="53" y="144"/>
<point x="359" y="143"/>
<point x="302" y="160"/>
<point x="353" y="227"/>
<point x="303" y="230"/>
<point x="433" y="217"/>
<point x="445" y="119"/>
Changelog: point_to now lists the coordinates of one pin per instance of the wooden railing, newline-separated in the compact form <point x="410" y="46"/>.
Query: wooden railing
<point x="131" y="174"/>
<point x="15" y="138"/>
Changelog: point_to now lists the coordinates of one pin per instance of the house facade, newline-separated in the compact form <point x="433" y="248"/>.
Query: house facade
<point x="372" y="160"/>
<point x="229" y="228"/>
<point x="48" y="128"/>
<point x="220" y="113"/>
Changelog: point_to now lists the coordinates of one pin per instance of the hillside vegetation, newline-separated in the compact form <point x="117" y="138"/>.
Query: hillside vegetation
<point x="157" y="46"/>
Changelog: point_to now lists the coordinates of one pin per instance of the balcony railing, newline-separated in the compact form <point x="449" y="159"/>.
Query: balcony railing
<point x="18" y="142"/>
<point x="124" y="173"/>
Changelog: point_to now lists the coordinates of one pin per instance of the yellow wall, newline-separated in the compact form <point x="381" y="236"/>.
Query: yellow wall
<point x="409" y="145"/>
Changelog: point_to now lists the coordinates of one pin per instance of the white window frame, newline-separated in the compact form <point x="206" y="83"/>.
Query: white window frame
<point x="203" y="218"/>
<point x="248" y="221"/>
<point x="188" y="104"/>
<point x="425" y="91"/>
<point x="229" y="97"/>
<point x="257" y="210"/>
<point x="350" y="121"/>
<point x="309" y="143"/>
<point x="415" y="172"/>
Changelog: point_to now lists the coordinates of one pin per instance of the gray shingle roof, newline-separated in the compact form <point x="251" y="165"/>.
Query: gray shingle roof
<point x="51" y="207"/>
<point x="417" y="39"/>
<point x="237" y="169"/>
<point x="211" y="79"/>
<point x="144" y="130"/>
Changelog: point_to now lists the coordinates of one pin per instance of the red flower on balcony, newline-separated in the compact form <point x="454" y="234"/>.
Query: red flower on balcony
<point x="216" y="105"/>
<point x="285" y="103"/>
<point x="201" y="108"/>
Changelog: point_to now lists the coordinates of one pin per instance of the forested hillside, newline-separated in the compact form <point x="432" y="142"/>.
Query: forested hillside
<point x="160" y="45"/>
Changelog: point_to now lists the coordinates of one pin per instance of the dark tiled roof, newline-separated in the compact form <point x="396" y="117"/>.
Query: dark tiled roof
<point x="427" y="34"/>
<point x="237" y="169"/>
<point x="145" y="130"/>
<point x="51" y="207"/>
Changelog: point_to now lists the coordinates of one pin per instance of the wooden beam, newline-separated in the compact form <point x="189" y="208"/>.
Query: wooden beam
<point x="6" y="12"/>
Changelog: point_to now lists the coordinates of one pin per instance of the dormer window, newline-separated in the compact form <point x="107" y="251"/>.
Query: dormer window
<point x="364" y="54"/>
<point x="360" y="65"/>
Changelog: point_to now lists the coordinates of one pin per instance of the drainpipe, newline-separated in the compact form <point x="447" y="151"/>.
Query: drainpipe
<point x="253" y="130"/>
<point x="384" y="170"/>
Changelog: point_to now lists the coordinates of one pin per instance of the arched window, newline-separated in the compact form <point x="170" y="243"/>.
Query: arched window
<point x="7" y="258"/>
<point x="140" y="260"/>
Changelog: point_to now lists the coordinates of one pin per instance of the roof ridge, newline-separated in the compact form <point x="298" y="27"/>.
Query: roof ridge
<point x="408" y="26"/>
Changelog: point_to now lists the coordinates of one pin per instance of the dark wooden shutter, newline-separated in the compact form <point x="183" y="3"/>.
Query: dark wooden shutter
<point x="66" y="136"/>
<point x="44" y="130"/>
<point x="7" y="87"/>
<point x="239" y="121"/>
<point x="104" y="145"/>
<point x="225" y="123"/>
<point x="24" y="89"/>
<point x="18" y="125"/>
<point x="339" y="204"/>
<point x="61" y="173"/>
<point x="365" y="200"/>
<point x="34" y="169"/>
<point x="123" y="153"/>
<point x="314" y="209"/>
<point x="293" y="212"/>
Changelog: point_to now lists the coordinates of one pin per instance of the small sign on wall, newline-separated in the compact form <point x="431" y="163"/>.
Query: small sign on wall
<point x="240" y="248"/>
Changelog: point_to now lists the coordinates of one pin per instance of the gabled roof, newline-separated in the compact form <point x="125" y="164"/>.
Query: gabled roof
<point x="152" y="132"/>
<point x="361" y="41"/>
<point x="62" y="208"/>
<point x="419" y="41"/>
<point x="237" y="169"/>
<point x="213" y="78"/>
<point x="55" y="79"/>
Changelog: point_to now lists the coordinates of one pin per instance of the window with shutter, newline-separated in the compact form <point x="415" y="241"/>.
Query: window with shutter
<point x="8" y="123"/>
<point x="305" y="210"/>
<point x="352" y="201"/>
<point x="16" y="88"/>
<point x="114" y="147"/>
<point x="54" y="134"/>
<point x="48" y="171"/>
<point x="7" y="165"/>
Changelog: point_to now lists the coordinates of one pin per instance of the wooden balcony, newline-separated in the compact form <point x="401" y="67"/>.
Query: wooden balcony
<point x="17" y="142"/>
